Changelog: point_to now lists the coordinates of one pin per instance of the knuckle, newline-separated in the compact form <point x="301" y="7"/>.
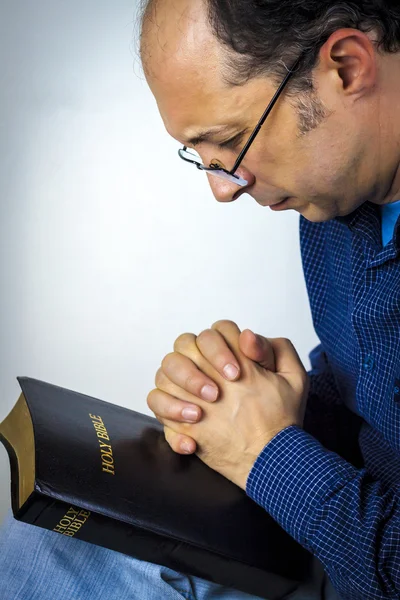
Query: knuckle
<point x="187" y="429"/>
<point x="190" y="381"/>
<point x="223" y="323"/>
<point x="167" y="411"/>
<point x="285" y="344"/>
<point x="206" y="333"/>
<point x="168" y="361"/>
<point x="185" y="340"/>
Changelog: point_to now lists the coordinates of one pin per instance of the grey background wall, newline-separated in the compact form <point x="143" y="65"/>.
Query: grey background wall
<point x="110" y="247"/>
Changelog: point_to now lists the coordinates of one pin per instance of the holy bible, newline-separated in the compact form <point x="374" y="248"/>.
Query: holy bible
<point x="90" y="470"/>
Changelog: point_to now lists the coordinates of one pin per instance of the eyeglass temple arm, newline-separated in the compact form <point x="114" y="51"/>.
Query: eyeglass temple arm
<point x="265" y="115"/>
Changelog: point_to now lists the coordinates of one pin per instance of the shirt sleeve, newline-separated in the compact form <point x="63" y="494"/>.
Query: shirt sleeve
<point x="350" y="521"/>
<point x="311" y="481"/>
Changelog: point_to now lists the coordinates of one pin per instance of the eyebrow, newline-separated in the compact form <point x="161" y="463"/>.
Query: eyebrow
<point x="207" y="135"/>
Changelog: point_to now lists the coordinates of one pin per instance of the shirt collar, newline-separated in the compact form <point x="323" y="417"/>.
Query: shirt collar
<point x="365" y="222"/>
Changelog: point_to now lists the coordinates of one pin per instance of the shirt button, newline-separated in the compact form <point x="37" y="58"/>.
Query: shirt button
<point x="397" y="390"/>
<point x="368" y="363"/>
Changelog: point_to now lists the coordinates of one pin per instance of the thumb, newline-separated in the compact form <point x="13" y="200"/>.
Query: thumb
<point x="258" y="349"/>
<point x="290" y="367"/>
<point x="287" y="360"/>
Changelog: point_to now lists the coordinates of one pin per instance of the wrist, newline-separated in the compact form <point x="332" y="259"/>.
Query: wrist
<point x="240" y="474"/>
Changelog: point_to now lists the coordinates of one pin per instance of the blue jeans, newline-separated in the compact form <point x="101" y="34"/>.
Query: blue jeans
<point x="36" y="564"/>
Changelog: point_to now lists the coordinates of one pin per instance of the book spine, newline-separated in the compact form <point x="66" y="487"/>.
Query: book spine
<point x="74" y="522"/>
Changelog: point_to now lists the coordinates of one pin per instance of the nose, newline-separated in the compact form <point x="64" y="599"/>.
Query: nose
<point x="225" y="191"/>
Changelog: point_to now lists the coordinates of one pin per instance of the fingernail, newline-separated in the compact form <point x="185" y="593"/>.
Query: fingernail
<point x="186" y="447"/>
<point x="190" y="414"/>
<point x="209" y="392"/>
<point x="231" y="371"/>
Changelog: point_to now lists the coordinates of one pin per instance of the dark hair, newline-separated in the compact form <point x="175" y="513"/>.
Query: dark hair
<point x="265" y="37"/>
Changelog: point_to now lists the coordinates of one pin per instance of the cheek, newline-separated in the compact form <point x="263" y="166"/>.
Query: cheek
<point x="311" y="166"/>
<point x="322" y="165"/>
<point x="281" y="161"/>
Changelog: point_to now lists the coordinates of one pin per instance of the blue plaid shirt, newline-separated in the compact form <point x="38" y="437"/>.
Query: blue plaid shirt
<point x="335" y="485"/>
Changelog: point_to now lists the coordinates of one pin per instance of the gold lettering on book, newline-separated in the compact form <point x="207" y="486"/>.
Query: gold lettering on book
<point x="72" y="521"/>
<point x="106" y="453"/>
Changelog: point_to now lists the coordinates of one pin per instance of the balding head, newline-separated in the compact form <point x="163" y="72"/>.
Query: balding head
<point x="182" y="60"/>
<point x="174" y="30"/>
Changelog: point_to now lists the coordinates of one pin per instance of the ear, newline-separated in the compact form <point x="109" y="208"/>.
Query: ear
<point x="350" y="57"/>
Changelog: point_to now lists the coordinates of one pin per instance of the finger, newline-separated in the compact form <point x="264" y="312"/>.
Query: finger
<point x="231" y="333"/>
<point x="165" y="406"/>
<point x="215" y="349"/>
<point x="287" y="360"/>
<point x="164" y="384"/>
<point x="182" y="372"/>
<point x="258" y="348"/>
<point x="180" y="443"/>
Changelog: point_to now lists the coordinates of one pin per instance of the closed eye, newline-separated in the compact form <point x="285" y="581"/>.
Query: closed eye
<point x="233" y="142"/>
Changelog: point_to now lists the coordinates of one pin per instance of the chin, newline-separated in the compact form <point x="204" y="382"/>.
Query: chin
<point x="317" y="214"/>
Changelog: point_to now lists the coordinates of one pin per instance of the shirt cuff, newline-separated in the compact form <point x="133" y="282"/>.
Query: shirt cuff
<point x="292" y="476"/>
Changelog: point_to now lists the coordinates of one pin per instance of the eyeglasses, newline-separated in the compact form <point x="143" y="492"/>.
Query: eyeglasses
<point x="215" y="168"/>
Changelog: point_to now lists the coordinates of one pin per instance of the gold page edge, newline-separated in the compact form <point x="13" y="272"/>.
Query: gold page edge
<point x="17" y="429"/>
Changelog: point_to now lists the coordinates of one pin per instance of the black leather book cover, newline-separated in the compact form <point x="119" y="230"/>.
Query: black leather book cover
<point x="105" y="474"/>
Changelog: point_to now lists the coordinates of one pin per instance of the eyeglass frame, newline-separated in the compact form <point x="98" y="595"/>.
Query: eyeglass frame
<point x="246" y="147"/>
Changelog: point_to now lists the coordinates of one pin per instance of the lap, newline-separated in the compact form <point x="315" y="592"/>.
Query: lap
<point x="36" y="564"/>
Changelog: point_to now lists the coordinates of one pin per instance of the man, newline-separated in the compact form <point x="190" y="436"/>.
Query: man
<point x="330" y="149"/>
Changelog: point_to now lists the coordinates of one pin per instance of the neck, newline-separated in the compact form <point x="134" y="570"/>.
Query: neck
<point x="390" y="126"/>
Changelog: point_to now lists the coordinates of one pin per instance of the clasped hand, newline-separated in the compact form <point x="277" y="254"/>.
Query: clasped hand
<point x="225" y="394"/>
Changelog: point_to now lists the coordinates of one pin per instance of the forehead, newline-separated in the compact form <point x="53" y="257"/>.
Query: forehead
<point x="184" y="67"/>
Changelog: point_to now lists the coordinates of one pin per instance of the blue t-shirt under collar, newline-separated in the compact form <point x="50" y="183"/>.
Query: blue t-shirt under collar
<point x="390" y="214"/>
